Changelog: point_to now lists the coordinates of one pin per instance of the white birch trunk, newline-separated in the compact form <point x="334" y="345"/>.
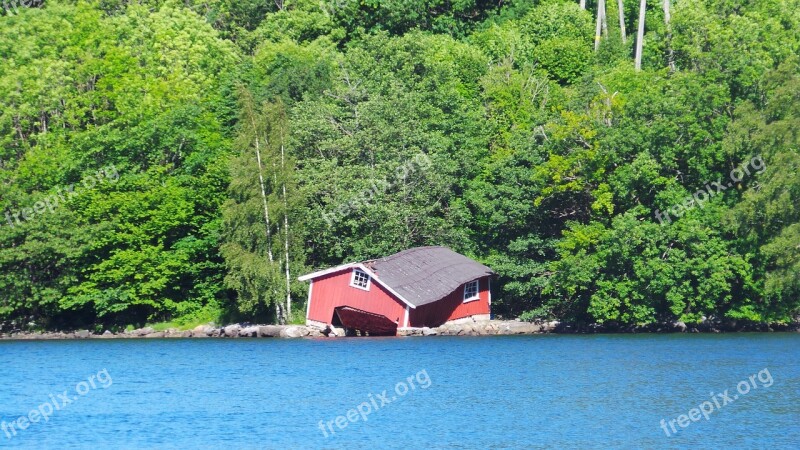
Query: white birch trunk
<point x="598" y="27"/>
<point x="621" y="8"/>
<point x="670" y="52"/>
<point x="604" y="21"/>
<point x="263" y="193"/>
<point x="640" y="36"/>
<point x="286" y="238"/>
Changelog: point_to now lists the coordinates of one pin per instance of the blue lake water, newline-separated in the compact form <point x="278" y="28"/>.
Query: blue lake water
<point x="604" y="391"/>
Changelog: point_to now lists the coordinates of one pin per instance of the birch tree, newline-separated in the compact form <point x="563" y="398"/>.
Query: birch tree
<point x="256" y="217"/>
<point x="256" y="130"/>
<point x="670" y="52"/>
<point x="276" y="115"/>
<point x="600" y="25"/>
<point x="640" y="36"/>
<point x="604" y="22"/>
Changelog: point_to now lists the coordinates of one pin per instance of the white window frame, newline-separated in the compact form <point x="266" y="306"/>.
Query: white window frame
<point x="353" y="280"/>
<point x="477" y="295"/>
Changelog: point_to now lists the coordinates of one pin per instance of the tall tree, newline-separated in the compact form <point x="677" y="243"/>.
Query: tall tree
<point x="254" y="129"/>
<point x="640" y="36"/>
<point x="600" y="24"/>
<point x="276" y="114"/>
<point x="668" y="25"/>
<point x="261" y="281"/>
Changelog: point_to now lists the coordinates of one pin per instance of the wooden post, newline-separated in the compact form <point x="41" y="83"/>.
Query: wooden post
<point x="640" y="36"/>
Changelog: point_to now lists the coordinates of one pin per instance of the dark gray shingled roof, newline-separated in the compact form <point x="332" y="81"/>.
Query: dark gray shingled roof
<point x="424" y="275"/>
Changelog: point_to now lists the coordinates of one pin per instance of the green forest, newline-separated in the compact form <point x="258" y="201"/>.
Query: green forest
<point x="185" y="161"/>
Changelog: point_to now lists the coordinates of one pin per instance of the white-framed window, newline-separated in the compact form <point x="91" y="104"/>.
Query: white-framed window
<point x="471" y="292"/>
<point x="360" y="280"/>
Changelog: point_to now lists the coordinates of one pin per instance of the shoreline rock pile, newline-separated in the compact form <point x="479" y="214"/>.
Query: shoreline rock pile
<point x="474" y="328"/>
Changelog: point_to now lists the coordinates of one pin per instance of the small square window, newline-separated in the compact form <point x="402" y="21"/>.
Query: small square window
<point x="471" y="291"/>
<point x="360" y="280"/>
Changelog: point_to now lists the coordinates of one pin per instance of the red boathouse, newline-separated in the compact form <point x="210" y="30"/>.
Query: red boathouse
<point x="418" y="287"/>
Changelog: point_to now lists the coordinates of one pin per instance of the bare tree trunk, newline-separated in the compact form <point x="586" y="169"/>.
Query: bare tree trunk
<point x="598" y="26"/>
<point x="640" y="36"/>
<point x="670" y="52"/>
<point x="286" y="237"/>
<point x="279" y="316"/>
<point x="604" y="21"/>
<point x="250" y="111"/>
<point x="583" y="4"/>
<point x="621" y="8"/>
<point x="263" y="191"/>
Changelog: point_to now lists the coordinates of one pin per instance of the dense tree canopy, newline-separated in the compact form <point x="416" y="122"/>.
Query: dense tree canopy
<point x="186" y="161"/>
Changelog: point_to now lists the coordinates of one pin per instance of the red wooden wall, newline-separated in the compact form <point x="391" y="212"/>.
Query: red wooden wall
<point x="334" y="290"/>
<point x="451" y="307"/>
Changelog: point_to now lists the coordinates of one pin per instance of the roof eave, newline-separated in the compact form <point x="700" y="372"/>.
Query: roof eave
<point x="366" y="270"/>
<point x="322" y="273"/>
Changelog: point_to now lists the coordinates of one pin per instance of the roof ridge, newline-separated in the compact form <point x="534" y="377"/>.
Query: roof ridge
<point x="412" y="250"/>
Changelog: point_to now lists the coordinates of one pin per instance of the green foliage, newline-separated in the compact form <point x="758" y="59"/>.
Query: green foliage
<point x="400" y="16"/>
<point x="135" y="90"/>
<point x="493" y="128"/>
<point x="565" y="59"/>
<point x="640" y="272"/>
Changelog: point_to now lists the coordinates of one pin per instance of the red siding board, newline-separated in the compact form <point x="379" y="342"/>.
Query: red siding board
<point x="334" y="290"/>
<point x="451" y="307"/>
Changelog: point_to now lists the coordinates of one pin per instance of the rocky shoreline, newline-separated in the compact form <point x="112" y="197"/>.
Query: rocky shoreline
<point x="490" y="327"/>
<point x="474" y="328"/>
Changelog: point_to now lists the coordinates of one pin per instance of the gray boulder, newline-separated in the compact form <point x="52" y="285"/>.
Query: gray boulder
<point x="336" y="332"/>
<point x="247" y="332"/>
<point x="143" y="331"/>
<point x="315" y="332"/>
<point x="294" y="332"/>
<point x="202" y="331"/>
<point x="232" y="330"/>
<point x="269" y="331"/>
<point x="106" y="335"/>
